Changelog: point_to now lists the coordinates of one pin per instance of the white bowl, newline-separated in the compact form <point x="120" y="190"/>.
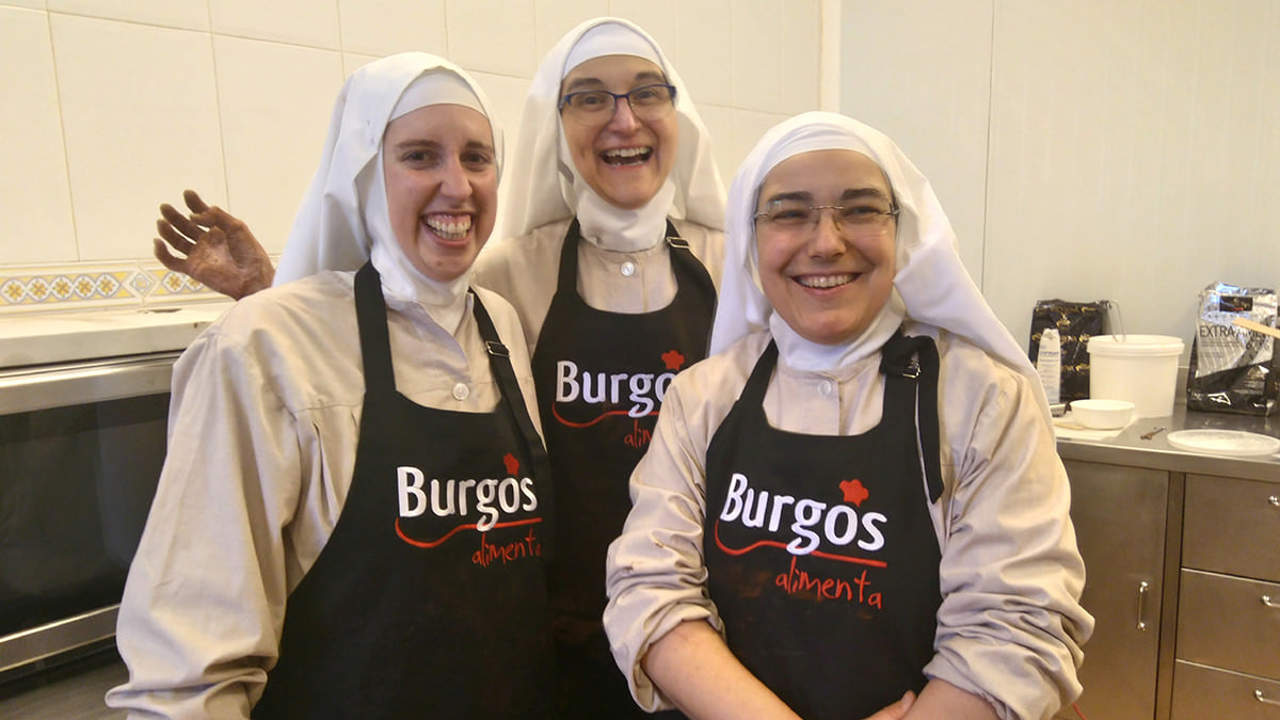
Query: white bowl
<point x="1102" y="414"/>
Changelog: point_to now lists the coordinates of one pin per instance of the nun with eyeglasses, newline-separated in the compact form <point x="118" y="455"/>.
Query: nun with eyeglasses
<point x="854" y="508"/>
<point x="612" y="246"/>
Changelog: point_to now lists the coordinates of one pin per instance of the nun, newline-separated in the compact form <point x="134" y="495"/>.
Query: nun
<point x="613" y="243"/>
<point x="353" y="515"/>
<point x="855" y="506"/>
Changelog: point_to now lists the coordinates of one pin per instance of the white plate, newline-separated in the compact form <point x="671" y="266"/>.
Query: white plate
<point x="1225" y="442"/>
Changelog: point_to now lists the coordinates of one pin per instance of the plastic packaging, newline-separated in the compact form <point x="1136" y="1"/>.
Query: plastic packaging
<point x="1142" y="369"/>
<point x="1233" y="369"/>
<point x="1049" y="363"/>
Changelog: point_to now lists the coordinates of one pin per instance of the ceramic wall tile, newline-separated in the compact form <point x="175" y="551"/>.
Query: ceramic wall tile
<point x="187" y="14"/>
<point x="704" y="44"/>
<point x="720" y="126"/>
<point x="507" y="97"/>
<point x="303" y="22"/>
<point x="354" y="61"/>
<point x="748" y="128"/>
<point x="35" y="198"/>
<point x="275" y="103"/>
<point x="141" y="123"/>
<point x="657" y="17"/>
<point x="383" y="27"/>
<point x="935" y="103"/>
<point x="30" y="4"/>
<point x="58" y="287"/>
<point x="553" y="18"/>
<point x="494" y="36"/>
<point x="756" y="66"/>
<point x="95" y="286"/>
<point x="1133" y="157"/>
<point x="799" y="36"/>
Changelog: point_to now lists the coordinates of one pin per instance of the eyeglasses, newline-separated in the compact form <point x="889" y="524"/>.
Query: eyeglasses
<point x="795" y="215"/>
<point x="591" y="107"/>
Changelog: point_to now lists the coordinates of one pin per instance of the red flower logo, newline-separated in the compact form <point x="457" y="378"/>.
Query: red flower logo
<point x="513" y="465"/>
<point x="854" y="492"/>
<point x="673" y="360"/>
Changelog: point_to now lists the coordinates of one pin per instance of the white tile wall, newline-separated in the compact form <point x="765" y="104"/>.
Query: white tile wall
<point x="920" y="72"/>
<point x="124" y="103"/>
<point x="141" y="117"/>
<point x="554" y="18"/>
<point x="305" y="22"/>
<point x="657" y="17"/>
<point x="755" y="70"/>
<point x="704" y="42"/>
<point x="798" y="28"/>
<point x="507" y="97"/>
<point x="354" y="61"/>
<point x="494" y="36"/>
<point x="720" y="126"/>
<point x="383" y="27"/>
<point x="1124" y="151"/>
<point x="188" y="14"/>
<point x="1134" y="156"/>
<point x="275" y="103"/>
<point x="35" y="198"/>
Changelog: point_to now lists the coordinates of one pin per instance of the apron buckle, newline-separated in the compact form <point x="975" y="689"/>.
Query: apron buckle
<point x="912" y="370"/>
<point x="496" y="348"/>
<point x="676" y="241"/>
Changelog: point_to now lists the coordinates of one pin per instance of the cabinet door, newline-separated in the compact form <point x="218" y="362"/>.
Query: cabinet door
<point x="1119" y="515"/>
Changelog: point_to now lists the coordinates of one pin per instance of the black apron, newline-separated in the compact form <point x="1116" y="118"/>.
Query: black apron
<point x="411" y="610"/>
<point x="820" y="553"/>
<point x="600" y="378"/>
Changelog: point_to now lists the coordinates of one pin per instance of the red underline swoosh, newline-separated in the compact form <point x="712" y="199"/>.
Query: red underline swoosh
<point x="451" y="533"/>
<point x="774" y="543"/>
<point x="589" y="423"/>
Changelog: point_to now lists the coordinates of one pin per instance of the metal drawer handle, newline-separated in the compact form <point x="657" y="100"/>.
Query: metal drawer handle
<point x="1274" y="500"/>
<point x="1266" y="600"/>
<point x="1142" y="597"/>
<point x="1257" y="695"/>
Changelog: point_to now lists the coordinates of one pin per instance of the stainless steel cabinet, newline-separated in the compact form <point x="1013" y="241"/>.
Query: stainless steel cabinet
<point x="1228" y="664"/>
<point x="1120" y="515"/>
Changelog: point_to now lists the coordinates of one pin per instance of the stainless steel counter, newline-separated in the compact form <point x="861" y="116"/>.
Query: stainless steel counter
<point x="1128" y="448"/>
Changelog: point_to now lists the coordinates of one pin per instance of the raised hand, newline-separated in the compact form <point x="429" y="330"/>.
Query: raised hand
<point x="217" y="248"/>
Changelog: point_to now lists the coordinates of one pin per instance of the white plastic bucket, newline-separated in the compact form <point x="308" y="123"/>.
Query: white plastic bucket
<point x="1142" y="369"/>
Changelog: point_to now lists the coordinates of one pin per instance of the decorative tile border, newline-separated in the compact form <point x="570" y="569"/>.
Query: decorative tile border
<point x="95" y="286"/>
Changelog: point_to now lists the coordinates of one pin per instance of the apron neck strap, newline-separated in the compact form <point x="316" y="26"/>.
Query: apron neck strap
<point x="500" y="366"/>
<point x="910" y="365"/>
<point x="375" y="341"/>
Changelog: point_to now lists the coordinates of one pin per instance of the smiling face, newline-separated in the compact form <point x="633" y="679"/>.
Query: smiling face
<point x="830" y="281"/>
<point x="623" y="158"/>
<point x="442" y="187"/>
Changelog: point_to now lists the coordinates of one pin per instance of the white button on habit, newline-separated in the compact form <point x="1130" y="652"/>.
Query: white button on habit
<point x="628" y="269"/>
<point x="826" y="388"/>
<point x="460" y="392"/>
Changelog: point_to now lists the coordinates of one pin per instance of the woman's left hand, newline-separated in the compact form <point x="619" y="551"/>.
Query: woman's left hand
<point x="217" y="248"/>
<point x="897" y="710"/>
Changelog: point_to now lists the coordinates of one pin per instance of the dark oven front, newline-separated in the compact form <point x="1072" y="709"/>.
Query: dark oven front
<point x="81" y="446"/>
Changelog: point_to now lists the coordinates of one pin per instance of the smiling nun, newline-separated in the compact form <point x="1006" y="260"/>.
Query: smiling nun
<point x="858" y="499"/>
<point x="614" y="210"/>
<point x="305" y="556"/>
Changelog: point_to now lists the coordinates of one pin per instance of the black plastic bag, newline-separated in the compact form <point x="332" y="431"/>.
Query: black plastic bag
<point x="1076" y="323"/>
<point x="1233" y="369"/>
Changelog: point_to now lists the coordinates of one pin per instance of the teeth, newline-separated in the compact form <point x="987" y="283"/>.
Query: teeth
<point x="626" y="152"/>
<point x="825" y="281"/>
<point x="627" y="156"/>
<point x="449" y="226"/>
